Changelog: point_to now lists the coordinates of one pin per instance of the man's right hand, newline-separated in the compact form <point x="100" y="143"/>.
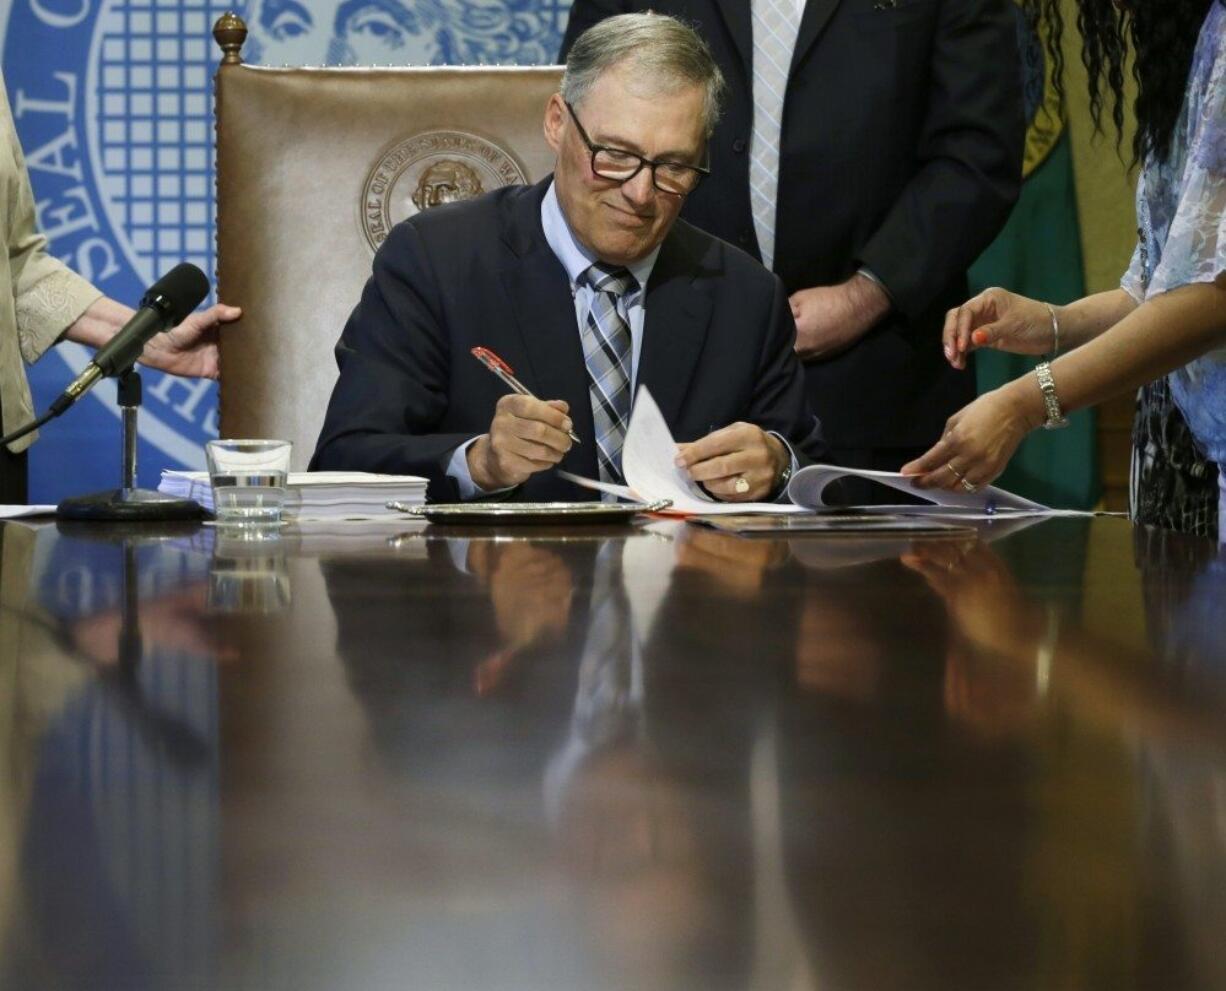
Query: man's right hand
<point x="526" y="436"/>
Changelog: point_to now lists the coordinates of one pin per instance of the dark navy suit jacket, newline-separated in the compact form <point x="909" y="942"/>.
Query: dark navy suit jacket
<point x="717" y="344"/>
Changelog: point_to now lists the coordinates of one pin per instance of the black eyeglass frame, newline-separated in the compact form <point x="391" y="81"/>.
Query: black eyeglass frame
<point x="596" y="149"/>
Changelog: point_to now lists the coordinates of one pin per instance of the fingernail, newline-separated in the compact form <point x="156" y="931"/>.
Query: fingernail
<point x="949" y="352"/>
<point x="568" y="426"/>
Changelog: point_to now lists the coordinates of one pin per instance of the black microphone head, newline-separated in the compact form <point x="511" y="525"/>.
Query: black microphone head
<point x="178" y="292"/>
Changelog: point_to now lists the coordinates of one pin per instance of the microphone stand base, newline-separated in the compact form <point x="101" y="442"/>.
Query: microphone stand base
<point x="130" y="506"/>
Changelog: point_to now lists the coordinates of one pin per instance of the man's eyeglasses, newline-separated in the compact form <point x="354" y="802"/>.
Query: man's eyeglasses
<point x="622" y="166"/>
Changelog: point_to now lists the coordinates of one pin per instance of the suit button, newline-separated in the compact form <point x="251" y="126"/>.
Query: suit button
<point x="743" y="237"/>
<point x="739" y="146"/>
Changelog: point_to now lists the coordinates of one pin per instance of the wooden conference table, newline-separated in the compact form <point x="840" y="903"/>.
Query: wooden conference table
<point x="622" y="758"/>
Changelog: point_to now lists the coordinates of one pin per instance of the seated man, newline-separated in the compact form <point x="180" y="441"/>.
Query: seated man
<point x="588" y="286"/>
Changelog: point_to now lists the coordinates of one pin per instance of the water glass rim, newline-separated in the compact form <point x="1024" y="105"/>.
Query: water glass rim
<point x="264" y="441"/>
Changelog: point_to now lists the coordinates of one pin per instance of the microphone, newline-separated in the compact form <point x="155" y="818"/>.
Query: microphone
<point x="168" y="301"/>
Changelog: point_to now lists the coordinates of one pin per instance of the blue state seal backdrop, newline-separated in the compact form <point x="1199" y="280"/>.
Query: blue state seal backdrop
<point x="114" y="108"/>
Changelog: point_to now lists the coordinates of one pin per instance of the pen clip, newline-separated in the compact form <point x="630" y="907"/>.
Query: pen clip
<point x="491" y="360"/>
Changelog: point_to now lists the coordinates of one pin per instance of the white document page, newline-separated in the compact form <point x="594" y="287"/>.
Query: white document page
<point x="20" y="512"/>
<point x="647" y="463"/>
<point x="807" y="486"/>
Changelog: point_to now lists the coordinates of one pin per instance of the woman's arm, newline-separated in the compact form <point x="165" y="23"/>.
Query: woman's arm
<point x="1162" y="334"/>
<point x="1006" y="321"/>
<point x="1085" y="319"/>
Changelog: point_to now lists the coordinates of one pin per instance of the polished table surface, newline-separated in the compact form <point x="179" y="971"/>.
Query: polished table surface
<point x="640" y="758"/>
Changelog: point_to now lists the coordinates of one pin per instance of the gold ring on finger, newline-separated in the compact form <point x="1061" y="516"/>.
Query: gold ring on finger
<point x="961" y="478"/>
<point x="968" y="484"/>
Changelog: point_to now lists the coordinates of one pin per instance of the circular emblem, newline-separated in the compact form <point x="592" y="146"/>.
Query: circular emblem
<point x="430" y="169"/>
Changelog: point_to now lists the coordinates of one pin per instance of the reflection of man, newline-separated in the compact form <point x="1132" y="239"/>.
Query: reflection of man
<point x="663" y="896"/>
<point x="446" y="182"/>
<point x="589" y="287"/>
<point x="870" y="151"/>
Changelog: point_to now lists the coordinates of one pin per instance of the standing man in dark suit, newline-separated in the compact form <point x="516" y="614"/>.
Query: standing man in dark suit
<point x="588" y="285"/>
<point x="870" y="150"/>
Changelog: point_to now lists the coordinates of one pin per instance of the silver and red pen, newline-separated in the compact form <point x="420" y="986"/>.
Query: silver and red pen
<point x="504" y="372"/>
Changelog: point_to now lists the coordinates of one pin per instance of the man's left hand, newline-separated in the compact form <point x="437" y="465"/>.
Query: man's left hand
<point x="740" y="456"/>
<point x="830" y="319"/>
<point x="190" y="349"/>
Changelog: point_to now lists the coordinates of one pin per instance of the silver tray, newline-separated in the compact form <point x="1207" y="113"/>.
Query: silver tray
<point x="532" y="513"/>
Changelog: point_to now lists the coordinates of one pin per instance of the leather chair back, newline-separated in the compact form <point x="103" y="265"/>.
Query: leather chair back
<point x="313" y="166"/>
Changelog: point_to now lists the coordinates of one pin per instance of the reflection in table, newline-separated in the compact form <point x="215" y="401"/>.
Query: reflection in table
<point x="631" y="757"/>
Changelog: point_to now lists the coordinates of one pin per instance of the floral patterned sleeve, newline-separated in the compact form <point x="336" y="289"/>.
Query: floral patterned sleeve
<point x="1195" y="248"/>
<point x="1133" y="281"/>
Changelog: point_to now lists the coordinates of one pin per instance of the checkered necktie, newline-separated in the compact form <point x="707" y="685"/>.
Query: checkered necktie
<point x="606" y="350"/>
<point x="775" y="25"/>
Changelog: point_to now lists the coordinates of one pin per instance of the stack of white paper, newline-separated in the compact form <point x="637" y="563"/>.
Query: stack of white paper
<point x="317" y="495"/>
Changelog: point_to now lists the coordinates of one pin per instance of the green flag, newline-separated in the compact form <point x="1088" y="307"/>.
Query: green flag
<point x="1038" y="254"/>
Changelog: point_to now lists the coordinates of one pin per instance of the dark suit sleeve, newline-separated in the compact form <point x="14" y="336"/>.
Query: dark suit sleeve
<point x="394" y="371"/>
<point x="585" y="13"/>
<point x="779" y="400"/>
<point x="970" y="153"/>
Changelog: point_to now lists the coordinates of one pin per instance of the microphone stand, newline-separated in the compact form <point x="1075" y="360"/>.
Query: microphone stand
<point x="129" y="504"/>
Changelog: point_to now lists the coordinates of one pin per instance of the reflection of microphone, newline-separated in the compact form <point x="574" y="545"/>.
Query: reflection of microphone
<point x="164" y="734"/>
<point x="167" y="302"/>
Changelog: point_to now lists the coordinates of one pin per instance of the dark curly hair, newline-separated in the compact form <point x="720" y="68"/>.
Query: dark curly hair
<point x="1162" y="35"/>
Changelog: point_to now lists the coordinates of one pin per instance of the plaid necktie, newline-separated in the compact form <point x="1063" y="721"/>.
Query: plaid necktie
<point x="775" y="26"/>
<point x="606" y="350"/>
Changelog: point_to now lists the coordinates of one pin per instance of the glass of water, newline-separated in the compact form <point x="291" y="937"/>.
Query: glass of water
<point x="248" y="479"/>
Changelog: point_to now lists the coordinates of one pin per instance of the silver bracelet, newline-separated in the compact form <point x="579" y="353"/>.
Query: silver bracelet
<point x="1055" y="330"/>
<point x="1051" y="402"/>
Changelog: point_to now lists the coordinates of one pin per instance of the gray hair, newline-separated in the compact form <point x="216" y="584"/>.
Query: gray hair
<point x="660" y="49"/>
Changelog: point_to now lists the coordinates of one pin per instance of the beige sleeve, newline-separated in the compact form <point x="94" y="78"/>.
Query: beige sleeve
<point x="49" y="296"/>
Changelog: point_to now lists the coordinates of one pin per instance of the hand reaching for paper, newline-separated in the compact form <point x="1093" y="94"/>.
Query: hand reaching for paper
<point x="738" y="463"/>
<point x="997" y="319"/>
<point x="979" y="439"/>
<point x="527" y="435"/>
